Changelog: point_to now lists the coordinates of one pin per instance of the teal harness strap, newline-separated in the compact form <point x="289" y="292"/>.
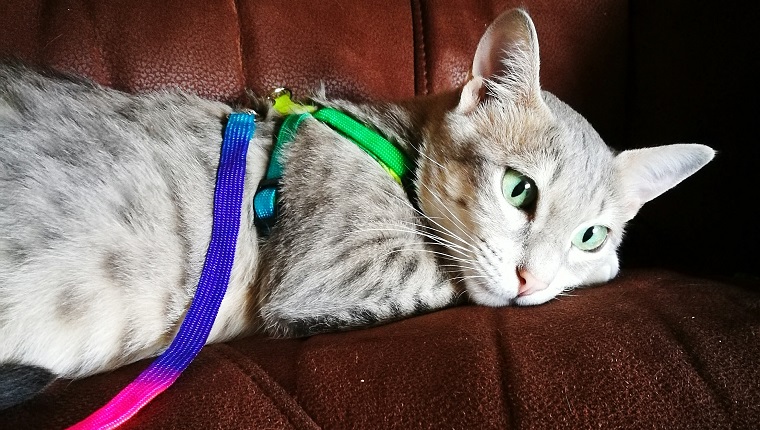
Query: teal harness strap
<point x="265" y="199"/>
<point x="285" y="136"/>
<point x="387" y="155"/>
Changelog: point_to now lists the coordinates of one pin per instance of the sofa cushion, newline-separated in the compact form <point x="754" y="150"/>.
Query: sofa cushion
<point x="650" y="349"/>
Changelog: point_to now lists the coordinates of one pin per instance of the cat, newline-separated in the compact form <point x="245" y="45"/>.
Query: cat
<point x="106" y="203"/>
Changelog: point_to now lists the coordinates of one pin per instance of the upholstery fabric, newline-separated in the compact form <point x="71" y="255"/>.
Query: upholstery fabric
<point x="653" y="349"/>
<point x="674" y="348"/>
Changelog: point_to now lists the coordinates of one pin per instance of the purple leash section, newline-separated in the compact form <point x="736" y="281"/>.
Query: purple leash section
<point x="194" y="331"/>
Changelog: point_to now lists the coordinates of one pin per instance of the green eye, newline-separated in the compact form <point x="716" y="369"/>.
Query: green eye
<point x="518" y="189"/>
<point x="591" y="238"/>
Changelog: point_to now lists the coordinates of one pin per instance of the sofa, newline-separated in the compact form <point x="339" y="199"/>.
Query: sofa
<point x="672" y="343"/>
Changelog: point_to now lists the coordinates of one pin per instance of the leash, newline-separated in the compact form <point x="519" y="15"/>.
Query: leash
<point x="228" y="197"/>
<point x="195" y="328"/>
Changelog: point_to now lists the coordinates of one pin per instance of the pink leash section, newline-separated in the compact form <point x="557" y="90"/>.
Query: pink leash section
<point x="195" y="328"/>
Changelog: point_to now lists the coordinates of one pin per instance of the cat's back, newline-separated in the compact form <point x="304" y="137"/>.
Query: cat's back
<point x="56" y="136"/>
<point x="42" y="109"/>
<point x="105" y="213"/>
<point x="77" y="158"/>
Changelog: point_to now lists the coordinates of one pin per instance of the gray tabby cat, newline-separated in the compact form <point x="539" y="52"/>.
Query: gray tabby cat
<point x="106" y="203"/>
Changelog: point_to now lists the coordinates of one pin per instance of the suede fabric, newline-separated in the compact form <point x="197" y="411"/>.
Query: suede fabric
<point x="652" y="349"/>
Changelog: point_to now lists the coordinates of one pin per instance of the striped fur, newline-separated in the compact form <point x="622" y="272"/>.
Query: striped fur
<point x="106" y="200"/>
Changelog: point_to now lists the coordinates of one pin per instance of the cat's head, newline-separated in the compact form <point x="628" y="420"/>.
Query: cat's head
<point x="528" y="199"/>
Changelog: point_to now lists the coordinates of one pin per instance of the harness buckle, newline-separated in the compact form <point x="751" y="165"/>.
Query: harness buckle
<point x="265" y="205"/>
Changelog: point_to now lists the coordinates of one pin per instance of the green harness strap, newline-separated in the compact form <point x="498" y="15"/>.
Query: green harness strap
<point x="381" y="149"/>
<point x="387" y="155"/>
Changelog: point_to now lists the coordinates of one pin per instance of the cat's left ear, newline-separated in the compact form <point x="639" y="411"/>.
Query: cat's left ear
<point x="646" y="173"/>
<point x="507" y="56"/>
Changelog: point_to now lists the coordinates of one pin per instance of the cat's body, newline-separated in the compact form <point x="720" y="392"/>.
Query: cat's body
<point x="106" y="203"/>
<point x="106" y="220"/>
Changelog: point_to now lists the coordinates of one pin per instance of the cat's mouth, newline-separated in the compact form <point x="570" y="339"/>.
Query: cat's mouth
<point x="483" y="291"/>
<point x="490" y="288"/>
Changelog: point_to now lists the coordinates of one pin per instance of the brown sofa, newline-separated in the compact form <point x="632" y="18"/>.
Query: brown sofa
<point x="673" y="342"/>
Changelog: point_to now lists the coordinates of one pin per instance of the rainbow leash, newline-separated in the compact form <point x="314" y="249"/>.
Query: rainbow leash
<point x="194" y="331"/>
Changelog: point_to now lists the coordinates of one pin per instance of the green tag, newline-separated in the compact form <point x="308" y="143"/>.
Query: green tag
<point x="286" y="106"/>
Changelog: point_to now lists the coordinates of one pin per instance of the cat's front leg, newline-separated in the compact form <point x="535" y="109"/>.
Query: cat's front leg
<point x="348" y="249"/>
<point x="371" y="276"/>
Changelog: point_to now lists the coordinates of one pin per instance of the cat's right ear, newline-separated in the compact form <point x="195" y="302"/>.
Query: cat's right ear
<point x="648" y="172"/>
<point x="506" y="63"/>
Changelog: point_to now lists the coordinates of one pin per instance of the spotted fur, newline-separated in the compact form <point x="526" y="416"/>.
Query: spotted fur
<point x="106" y="208"/>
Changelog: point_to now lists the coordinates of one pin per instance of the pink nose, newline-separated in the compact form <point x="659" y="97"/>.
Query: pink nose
<point x="529" y="284"/>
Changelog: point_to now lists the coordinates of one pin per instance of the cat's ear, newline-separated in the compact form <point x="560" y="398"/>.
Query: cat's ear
<point x="646" y="173"/>
<point x="507" y="57"/>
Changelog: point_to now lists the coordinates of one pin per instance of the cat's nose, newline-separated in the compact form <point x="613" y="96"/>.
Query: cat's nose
<point x="529" y="284"/>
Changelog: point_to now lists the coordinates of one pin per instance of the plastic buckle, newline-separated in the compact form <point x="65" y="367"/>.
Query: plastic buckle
<point x="265" y="205"/>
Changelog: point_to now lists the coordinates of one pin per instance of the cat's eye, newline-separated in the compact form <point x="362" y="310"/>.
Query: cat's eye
<point x="519" y="190"/>
<point x="591" y="239"/>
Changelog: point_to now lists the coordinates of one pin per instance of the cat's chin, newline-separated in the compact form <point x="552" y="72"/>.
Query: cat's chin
<point x="537" y="298"/>
<point x="485" y="295"/>
<point x="485" y="298"/>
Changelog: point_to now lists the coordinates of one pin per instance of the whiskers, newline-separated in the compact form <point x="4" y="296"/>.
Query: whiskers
<point x="459" y="256"/>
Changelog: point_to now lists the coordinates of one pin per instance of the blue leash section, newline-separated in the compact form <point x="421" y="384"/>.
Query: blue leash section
<point x="194" y="331"/>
